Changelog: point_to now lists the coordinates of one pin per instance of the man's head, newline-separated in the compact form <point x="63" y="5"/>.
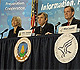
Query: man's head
<point x="68" y="12"/>
<point x="42" y="18"/>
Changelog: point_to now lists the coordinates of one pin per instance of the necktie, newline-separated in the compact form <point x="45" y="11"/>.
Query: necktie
<point x="40" y="29"/>
<point x="68" y="23"/>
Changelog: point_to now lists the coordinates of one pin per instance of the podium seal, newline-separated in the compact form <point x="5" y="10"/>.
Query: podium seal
<point x="22" y="49"/>
<point x="66" y="48"/>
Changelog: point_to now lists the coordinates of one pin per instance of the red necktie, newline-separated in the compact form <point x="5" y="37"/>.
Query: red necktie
<point x="68" y="23"/>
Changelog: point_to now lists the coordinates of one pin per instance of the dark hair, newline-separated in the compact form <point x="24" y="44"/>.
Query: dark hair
<point x="46" y="15"/>
<point x="72" y="9"/>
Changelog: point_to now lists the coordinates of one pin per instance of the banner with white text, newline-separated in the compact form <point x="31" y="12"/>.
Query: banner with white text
<point x="10" y="8"/>
<point x="55" y="9"/>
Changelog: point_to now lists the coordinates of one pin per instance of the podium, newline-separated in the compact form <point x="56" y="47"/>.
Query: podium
<point x="41" y="57"/>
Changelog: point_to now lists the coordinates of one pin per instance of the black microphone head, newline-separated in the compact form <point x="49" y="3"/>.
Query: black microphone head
<point x="58" y="24"/>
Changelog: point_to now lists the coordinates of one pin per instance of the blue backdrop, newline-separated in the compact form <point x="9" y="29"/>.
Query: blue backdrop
<point x="55" y="9"/>
<point x="22" y="8"/>
<point x="10" y="8"/>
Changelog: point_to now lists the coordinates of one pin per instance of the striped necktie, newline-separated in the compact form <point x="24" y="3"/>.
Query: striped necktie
<point x="40" y="29"/>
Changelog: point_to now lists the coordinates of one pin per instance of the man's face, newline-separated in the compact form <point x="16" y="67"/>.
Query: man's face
<point x="68" y="13"/>
<point x="41" y="19"/>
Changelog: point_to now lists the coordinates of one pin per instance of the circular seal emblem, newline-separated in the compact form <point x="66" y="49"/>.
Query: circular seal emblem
<point x="22" y="49"/>
<point x="66" y="48"/>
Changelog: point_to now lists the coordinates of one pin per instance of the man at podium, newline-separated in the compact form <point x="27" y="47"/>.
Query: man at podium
<point x="45" y="27"/>
<point x="69" y="16"/>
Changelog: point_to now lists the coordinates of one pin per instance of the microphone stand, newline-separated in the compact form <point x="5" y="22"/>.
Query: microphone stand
<point x="55" y="29"/>
<point x="3" y="32"/>
<point x="1" y="35"/>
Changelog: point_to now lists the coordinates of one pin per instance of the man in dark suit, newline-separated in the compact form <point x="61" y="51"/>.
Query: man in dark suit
<point x="69" y="16"/>
<point x="44" y="28"/>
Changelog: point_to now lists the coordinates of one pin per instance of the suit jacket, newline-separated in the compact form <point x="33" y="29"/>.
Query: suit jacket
<point x="47" y="28"/>
<point x="74" y="21"/>
<point x="11" y="32"/>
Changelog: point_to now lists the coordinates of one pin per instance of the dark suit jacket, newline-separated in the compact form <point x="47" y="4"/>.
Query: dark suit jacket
<point x="74" y="21"/>
<point x="47" y="28"/>
<point x="11" y="32"/>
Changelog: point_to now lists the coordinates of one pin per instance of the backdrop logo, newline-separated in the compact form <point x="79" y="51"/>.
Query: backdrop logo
<point x="66" y="48"/>
<point x="22" y="49"/>
<point x="64" y="3"/>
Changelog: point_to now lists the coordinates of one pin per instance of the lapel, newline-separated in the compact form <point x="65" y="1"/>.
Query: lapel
<point x="45" y="26"/>
<point x="73" y="21"/>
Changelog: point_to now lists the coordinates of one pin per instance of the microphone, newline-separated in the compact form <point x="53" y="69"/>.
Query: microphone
<point x="56" y="27"/>
<point x="33" y="27"/>
<point x="57" y="24"/>
<point x="4" y="31"/>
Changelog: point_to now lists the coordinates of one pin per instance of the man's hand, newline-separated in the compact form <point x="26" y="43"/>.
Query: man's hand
<point x="48" y="33"/>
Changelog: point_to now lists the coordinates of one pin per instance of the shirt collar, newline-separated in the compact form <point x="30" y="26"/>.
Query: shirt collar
<point x="43" y="25"/>
<point x="70" y="21"/>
